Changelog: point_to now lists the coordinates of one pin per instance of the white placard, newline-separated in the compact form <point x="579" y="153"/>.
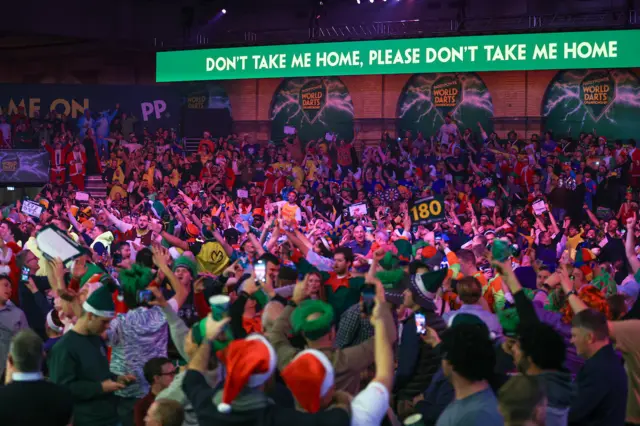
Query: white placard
<point x="31" y="208"/>
<point x="82" y="196"/>
<point x="539" y="207"/>
<point x="289" y="130"/>
<point x="358" y="209"/>
<point x="243" y="193"/>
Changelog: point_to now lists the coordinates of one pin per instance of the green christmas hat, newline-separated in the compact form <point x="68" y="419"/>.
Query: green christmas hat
<point x="429" y="282"/>
<point x="316" y="328"/>
<point x="100" y="303"/>
<point x="158" y="209"/>
<point x="404" y="250"/>
<point x="92" y="269"/>
<point x="188" y="263"/>
<point x="418" y="246"/>
<point x="132" y="280"/>
<point x="389" y="261"/>
<point x="509" y="320"/>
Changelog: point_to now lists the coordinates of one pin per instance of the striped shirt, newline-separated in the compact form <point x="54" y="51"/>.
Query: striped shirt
<point x="135" y="338"/>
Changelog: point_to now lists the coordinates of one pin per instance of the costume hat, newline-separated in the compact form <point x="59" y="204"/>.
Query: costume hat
<point x="309" y="377"/>
<point x="249" y="362"/>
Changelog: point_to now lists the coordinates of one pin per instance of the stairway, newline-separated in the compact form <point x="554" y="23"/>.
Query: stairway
<point x="96" y="187"/>
<point x="191" y="144"/>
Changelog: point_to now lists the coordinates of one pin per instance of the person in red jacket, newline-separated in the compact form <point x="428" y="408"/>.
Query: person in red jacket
<point x="77" y="161"/>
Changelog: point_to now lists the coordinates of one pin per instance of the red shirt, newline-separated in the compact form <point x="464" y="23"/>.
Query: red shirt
<point x="141" y="408"/>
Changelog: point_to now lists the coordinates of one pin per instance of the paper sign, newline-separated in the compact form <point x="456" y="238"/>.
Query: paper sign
<point x="31" y="208"/>
<point x="358" y="209"/>
<point x="289" y="130"/>
<point x="329" y="137"/>
<point x="539" y="207"/>
<point x="243" y="193"/>
<point x="82" y="196"/>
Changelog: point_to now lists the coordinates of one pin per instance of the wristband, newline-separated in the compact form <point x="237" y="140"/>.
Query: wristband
<point x="572" y="292"/>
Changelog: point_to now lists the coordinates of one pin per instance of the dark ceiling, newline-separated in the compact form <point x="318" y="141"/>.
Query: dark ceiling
<point x="41" y="27"/>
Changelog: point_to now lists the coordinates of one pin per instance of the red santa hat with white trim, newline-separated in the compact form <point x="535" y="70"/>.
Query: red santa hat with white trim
<point x="309" y="377"/>
<point x="249" y="362"/>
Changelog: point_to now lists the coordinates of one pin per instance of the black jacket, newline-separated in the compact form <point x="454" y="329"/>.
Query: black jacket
<point x="417" y="361"/>
<point x="35" y="403"/>
<point x="601" y="397"/>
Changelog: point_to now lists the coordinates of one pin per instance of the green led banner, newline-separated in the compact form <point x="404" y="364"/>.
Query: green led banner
<point x="573" y="50"/>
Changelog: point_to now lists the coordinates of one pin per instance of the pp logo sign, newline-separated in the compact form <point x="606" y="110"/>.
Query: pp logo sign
<point x="156" y="107"/>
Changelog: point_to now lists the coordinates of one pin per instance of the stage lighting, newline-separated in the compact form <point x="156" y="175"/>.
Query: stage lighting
<point x="224" y="11"/>
<point x="358" y="1"/>
<point x="370" y="1"/>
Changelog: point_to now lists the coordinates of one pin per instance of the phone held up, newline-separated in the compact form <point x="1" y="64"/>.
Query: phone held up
<point x="421" y="323"/>
<point x="260" y="269"/>
<point x="24" y="275"/>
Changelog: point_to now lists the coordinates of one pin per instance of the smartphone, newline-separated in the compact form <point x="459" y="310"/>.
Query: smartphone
<point x="368" y="299"/>
<point x="261" y="272"/>
<point x="24" y="277"/>
<point x="143" y="297"/>
<point x="421" y="323"/>
<point x="117" y="259"/>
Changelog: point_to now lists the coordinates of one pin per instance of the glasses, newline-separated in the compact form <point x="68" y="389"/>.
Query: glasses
<point x="169" y="373"/>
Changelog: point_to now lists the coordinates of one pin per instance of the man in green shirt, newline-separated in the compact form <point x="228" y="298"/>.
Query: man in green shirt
<point x="79" y="362"/>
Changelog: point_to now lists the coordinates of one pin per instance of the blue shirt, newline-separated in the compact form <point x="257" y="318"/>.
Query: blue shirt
<point x="479" y="409"/>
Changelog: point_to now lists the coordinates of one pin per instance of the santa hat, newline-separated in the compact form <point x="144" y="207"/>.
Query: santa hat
<point x="249" y="362"/>
<point x="309" y="377"/>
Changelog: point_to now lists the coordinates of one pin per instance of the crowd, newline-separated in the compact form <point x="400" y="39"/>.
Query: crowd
<point x="302" y="282"/>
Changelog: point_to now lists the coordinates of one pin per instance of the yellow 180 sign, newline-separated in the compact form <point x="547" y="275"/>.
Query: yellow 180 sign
<point x="427" y="210"/>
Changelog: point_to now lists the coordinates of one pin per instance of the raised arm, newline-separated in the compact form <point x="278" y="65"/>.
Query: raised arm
<point x="630" y="245"/>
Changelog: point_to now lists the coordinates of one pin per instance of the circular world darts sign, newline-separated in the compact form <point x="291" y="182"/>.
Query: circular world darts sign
<point x="582" y="100"/>
<point x="312" y="107"/>
<point x="428" y="98"/>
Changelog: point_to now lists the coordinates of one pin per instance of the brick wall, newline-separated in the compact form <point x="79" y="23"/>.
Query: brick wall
<point x="517" y="100"/>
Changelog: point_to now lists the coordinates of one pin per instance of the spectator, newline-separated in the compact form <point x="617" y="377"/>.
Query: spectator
<point x="522" y="401"/>
<point x="78" y="362"/>
<point x="27" y="398"/>
<point x="159" y="373"/>
<point x="12" y="319"/>
<point x="164" y="412"/>
<point x="468" y="361"/>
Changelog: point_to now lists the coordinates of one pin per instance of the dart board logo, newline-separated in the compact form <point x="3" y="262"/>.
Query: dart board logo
<point x="313" y="96"/>
<point x="446" y="94"/>
<point x="11" y="164"/>
<point x="597" y="91"/>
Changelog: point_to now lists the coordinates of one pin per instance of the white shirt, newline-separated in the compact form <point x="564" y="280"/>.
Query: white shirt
<point x="370" y="406"/>
<point x="446" y="130"/>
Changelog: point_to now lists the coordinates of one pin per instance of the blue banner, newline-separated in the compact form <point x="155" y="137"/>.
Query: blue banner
<point x="23" y="167"/>
<point x="153" y="106"/>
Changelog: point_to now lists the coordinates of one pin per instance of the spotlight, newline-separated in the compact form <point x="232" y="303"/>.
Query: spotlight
<point x="321" y="3"/>
<point x="224" y="11"/>
<point x="358" y="1"/>
<point x="370" y="1"/>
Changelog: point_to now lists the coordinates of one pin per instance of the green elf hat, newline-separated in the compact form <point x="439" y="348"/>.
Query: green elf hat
<point x="509" y="320"/>
<point x="100" y="303"/>
<point x="404" y="250"/>
<point x="427" y="284"/>
<point x="316" y="328"/>
<point x="92" y="269"/>
<point x="158" y="209"/>
<point x="187" y="263"/>
<point x="132" y="280"/>
<point x="389" y="261"/>
<point x="418" y="246"/>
